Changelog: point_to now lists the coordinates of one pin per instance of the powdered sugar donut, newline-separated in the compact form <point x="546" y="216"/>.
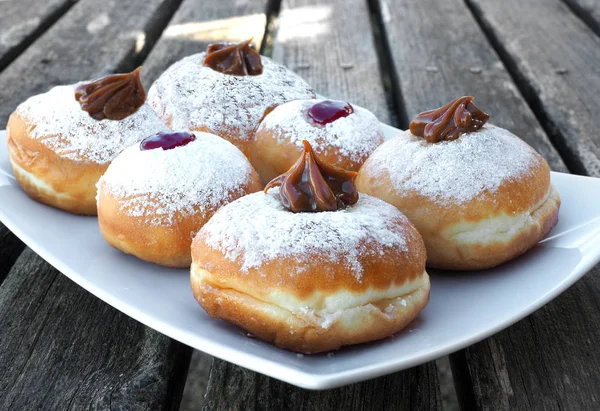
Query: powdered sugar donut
<point x="310" y="282"/>
<point x="58" y="151"/>
<point x="342" y="134"/>
<point x="155" y="196"/>
<point x="477" y="200"/>
<point x="311" y="265"/>
<point x="190" y="95"/>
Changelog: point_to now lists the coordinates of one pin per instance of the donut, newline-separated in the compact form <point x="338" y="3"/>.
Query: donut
<point x="283" y="268"/>
<point x="155" y="196"/>
<point x="229" y="100"/>
<point x="477" y="193"/>
<point x="341" y="134"/>
<point x="58" y="151"/>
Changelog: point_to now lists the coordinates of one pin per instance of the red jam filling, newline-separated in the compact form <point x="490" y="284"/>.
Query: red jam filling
<point x="328" y="111"/>
<point x="167" y="140"/>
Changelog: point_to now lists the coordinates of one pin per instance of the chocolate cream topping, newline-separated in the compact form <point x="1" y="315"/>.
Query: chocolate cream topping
<point x="450" y="121"/>
<point x="239" y="59"/>
<point x="311" y="185"/>
<point x="112" y="97"/>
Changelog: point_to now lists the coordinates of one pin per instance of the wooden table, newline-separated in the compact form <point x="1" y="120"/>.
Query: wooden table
<point x="535" y="65"/>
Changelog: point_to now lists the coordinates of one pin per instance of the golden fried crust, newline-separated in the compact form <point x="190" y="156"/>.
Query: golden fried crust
<point x="272" y="153"/>
<point x="306" y="275"/>
<point x="310" y="304"/>
<point x="47" y="177"/>
<point x="274" y="324"/>
<point x="511" y="220"/>
<point x="166" y="244"/>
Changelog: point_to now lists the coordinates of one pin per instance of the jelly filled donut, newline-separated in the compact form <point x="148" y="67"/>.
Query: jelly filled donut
<point x="225" y="91"/>
<point x="341" y="134"/>
<point x="478" y="194"/>
<point x="155" y="196"/>
<point x="311" y="266"/>
<point x="62" y="141"/>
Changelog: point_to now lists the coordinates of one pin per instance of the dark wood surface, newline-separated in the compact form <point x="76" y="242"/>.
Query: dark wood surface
<point x="534" y="65"/>
<point x="588" y="11"/>
<point x="21" y="22"/>
<point x="555" y="58"/>
<point x="61" y="347"/>
<point x="231" y="387"/>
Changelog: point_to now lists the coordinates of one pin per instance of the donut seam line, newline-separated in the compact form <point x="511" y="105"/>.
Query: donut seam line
<point x="526" y="221"/>
<point x="318" y="314"/>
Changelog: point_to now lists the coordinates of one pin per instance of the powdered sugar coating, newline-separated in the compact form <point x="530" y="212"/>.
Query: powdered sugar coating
<point x="62" y="126"/>
<point x="192" y="96"/>
<point x="155" y="184"/>
<point x="257" y="228"/>
<point x="454" y="171"/>
<point x="354" y="136"/>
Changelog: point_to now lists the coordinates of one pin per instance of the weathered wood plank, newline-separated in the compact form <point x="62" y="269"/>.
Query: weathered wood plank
<point x="345" y="66"/>
<point x="91" y="39"/>
<point x="62" y="348"/>
<point x="549" y="360"/>
<point x="554" y="57"/>
<point x="233" y="388"/>
<point x="588" y="11"/>
<point x="10" y="248"/>
<point x="21" y="22"/>
<point x="196" y="382"/>
<point x="439" y="53"/>
<point x="198" y="23"/>
<point x="330" y="44"/>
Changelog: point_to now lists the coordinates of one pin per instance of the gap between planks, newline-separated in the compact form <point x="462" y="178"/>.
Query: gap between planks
<point x="558" y="140"/>
<point x="43" y="26"/>
<point x="152" y="31"/>
<point x="391" y="82"/>
<point x="590" y="15"/>
<point x="271" y="27"/>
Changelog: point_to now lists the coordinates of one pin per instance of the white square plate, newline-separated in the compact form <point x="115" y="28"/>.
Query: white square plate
<point x="464" y="308"/>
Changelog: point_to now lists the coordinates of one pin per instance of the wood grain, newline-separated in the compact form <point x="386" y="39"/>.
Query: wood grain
<point x="548" y="361"/>
<point x="10" y="248"/>
<point x="554" y="57"/>
<point x="21" y="22"/>
<point x="62" y="348"/>
<point x="93" y="38"/>
<point x="198" y="23"/>
<point x="233" y="388"/>
<point x="439" y="53"/>
<point x="330" y="44"/>
<point x="588" y="11"/>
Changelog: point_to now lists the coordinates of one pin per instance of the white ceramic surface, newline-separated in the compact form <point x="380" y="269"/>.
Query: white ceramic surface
<point x="464" y="308"/>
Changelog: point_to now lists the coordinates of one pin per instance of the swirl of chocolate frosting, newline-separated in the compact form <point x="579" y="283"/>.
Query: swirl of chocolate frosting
<point x="311" y="185"/>
<point x="239" y="59"/>
<point x="450" y="121"/>
<point x="112" y="97"/>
